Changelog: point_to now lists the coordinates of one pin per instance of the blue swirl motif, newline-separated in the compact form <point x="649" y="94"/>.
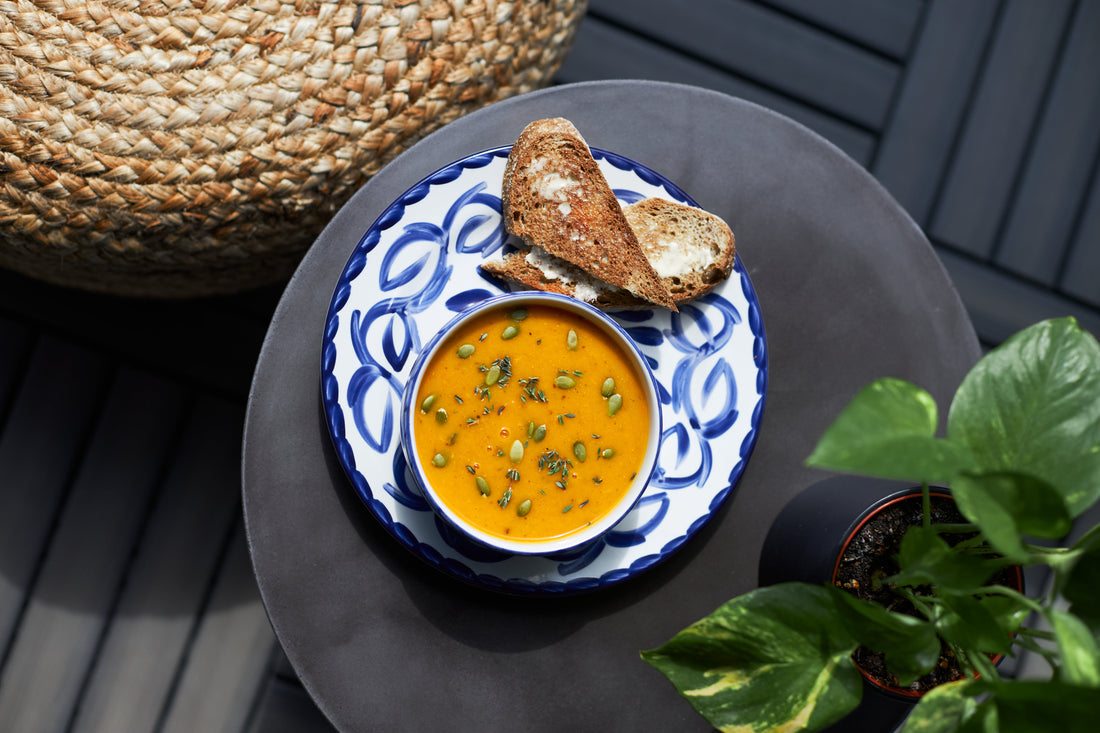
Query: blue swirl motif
<point x="413" y="272"/>
<point x="718" y="389"/>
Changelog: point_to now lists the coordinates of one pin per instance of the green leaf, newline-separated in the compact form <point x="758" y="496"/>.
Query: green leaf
<point x="1006" y="505"/>
<point x="1082" y="589"/>
<point x="776" y="657"/>
<point x="970" y="625"/>
<point x="944" y="709"/>
<point x="1078" y="648"/>
<point x="1032" y="406"/>
<point x="924" y="558"/>
<point x="1026" y="707"/>
<point x="1009" y="613"/>
<point x="888" y="430"/>
<point x="909" y="644"/>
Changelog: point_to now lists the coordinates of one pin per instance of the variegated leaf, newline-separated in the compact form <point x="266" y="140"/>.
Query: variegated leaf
<point x="775" y="659"/>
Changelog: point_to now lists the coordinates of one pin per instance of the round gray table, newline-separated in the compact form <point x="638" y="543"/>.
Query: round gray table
<point x="850" y="290"/>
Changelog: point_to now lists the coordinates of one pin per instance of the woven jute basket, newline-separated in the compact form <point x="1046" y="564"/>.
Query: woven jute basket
<point x="178" y="148"/>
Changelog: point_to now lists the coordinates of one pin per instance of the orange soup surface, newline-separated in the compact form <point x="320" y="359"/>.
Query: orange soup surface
<point x="530" y="423"/>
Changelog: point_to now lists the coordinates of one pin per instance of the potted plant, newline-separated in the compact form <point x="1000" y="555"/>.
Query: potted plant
<point x="1021" y="458"/>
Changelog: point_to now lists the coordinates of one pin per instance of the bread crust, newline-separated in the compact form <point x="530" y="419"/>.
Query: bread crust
<point x="555" y="197"/>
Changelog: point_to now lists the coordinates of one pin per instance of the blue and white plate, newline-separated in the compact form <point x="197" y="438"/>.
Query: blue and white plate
<point x="417" y="266"/>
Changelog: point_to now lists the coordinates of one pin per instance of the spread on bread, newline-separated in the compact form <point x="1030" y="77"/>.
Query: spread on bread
<point x="579" y="241"/>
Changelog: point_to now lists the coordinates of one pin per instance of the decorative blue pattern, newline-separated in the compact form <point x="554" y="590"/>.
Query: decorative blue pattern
<point x="417" y="265"/>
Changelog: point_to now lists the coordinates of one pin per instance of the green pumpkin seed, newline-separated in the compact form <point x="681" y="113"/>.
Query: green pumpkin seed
<point x="427" y="403"/>
<point x="614" y="404"/>
<point x="519" y="314"/>
<point x="492" y="375"/>
<point x="441" y="416"/>
<point x="516" y="454"/>
<point x="530" y="429"/>
<point x="607" y="453"/>
<point x="540" y="433"/>
<point x="608" y="387"/>
<point x="571" y="340"/>
<point x="465" y="351"/>
<point x="579" y="451"/>
<point x="523" y="508"/>
<point x="509" y="333"/>
<point x="564" y="382"/>
<point x="482" y="485"/>
<point x="439" y="460"/>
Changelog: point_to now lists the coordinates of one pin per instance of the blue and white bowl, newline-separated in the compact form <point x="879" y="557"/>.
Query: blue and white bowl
<point x="598" y="528"/>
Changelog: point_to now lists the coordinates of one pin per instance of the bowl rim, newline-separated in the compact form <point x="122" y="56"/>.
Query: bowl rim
<point x="605" y="523"/>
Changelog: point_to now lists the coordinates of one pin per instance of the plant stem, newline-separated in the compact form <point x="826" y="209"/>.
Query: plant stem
<point x="1031" y="646"/>
<point x="1015" y="594"/>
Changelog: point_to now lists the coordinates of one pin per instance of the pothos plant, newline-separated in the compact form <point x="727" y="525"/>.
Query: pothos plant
<point x="1021" y="457"/>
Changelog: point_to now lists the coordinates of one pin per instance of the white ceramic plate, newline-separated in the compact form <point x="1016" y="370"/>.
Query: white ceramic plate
<point x="417" y="266"/>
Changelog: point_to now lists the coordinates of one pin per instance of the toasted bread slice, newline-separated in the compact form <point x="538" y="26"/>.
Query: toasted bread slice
<point x="556" y="198"/>
<point x="692" y="250"/>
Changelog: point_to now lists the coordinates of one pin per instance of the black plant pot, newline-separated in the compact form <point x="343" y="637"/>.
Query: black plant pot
<point x="804" y="544"/>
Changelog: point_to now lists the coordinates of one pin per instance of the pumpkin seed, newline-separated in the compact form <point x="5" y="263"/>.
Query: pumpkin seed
<point x="523" y="508"/>
<point x="571" y="340"/>
<point x="607" y="453"/>
<point x="614" y="404"/>
<point x="482" y="485"/>
<point x="516" y="454"/>
<point x="519" y="314"/>
<point x="608" y="387"/>
<point x="492" y="375"/>
<point x="564" y="382"/>
<point x="540" y="433"/>
<point x="439" y="460"/>
<point x="465" y="351"/>
<point x="441" y="416"/>
<point x="427" y="403"/>
<point x="580" y="451"/>
<point x="509" y="333"/>
<point x="530" y="429"/>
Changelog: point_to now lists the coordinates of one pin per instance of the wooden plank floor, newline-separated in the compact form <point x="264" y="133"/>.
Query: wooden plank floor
<point x="126" y="596"/>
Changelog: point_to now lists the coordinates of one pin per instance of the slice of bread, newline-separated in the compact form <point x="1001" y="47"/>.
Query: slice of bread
<point x="691" y="249"/>
<point x="556" y="198"/>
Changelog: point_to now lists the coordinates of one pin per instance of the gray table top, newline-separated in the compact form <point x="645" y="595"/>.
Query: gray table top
<point x="850" y="290"/>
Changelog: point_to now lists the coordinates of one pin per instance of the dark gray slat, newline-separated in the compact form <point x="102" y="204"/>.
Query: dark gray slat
<point x="15" y="345"/>
<point x="175" y="563"/>
<point x="995" y="137"/>
<point x="1000" y="304"/>
<point x="61" y="627"/>
<point x="1046" y="205"/>
<point x="916" y="142"/>
<point x="602" y="51"/>
<point x="212" y="342"/>
<point x="769" y="48"/>
<point x="230" y="658"/>
<point x="1081" y="276"/>
<point x="51" y="413"/>
<point x="885" y="26"/>
<point x="287" y="708"/>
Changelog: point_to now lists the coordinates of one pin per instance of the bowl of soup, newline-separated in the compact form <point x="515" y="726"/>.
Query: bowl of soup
<point x="531" y="423"/>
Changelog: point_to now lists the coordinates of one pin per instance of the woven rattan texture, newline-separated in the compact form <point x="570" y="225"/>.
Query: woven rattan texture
<point x="177" y="148"/>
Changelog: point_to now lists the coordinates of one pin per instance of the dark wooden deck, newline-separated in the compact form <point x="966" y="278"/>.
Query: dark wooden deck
<point x="126" y="596"/>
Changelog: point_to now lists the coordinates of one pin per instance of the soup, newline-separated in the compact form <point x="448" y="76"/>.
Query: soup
<point x="530" y="423"/>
